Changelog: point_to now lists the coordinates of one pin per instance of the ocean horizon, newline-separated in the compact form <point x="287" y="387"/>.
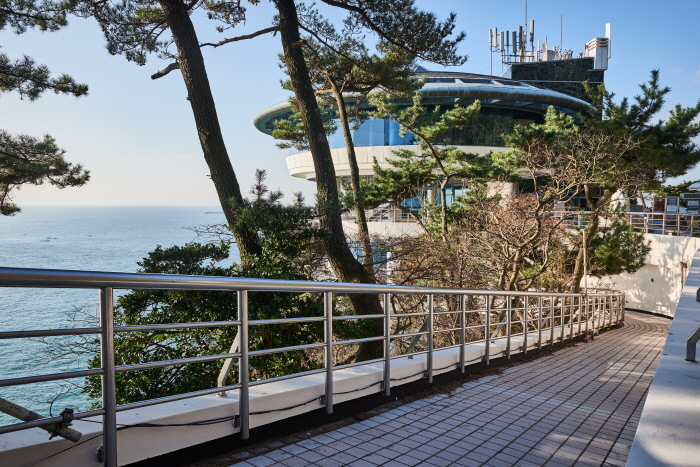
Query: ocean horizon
<point x="89" y="238"/>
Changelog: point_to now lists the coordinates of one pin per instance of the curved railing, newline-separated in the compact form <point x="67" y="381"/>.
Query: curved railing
<point x="513" y="321"/>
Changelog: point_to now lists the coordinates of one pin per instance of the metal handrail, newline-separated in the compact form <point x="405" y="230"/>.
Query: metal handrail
<point x="106" y="282"/>
<point x="691" y="345"/>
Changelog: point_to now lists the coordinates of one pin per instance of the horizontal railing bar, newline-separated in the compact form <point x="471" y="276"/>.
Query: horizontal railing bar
<point x="286" y="377"/>
<point x="409" y="334"/>
<point x="407" y="315"/>
<point x="435" y="313"/>
<point x="179" y="361"/>
<point x="261" y="322"/>
<point x="446" y="330"/>
<point x="62" y="278"/>
<point x="346" y="317"/>
<point x="158" y="327"/>
<point x="359" y="341"/>
<point x="366" y="362"/>
<point x="292" y="348"/>
<point x="177" y="397"/>
<point x="49" y="377"/>
<point x="415" y="352"/>
<point x="47" y="421"/>
<point x="49" y="332"/>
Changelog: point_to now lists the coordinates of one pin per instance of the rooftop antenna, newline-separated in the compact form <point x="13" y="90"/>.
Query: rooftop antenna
<point x="561" y="32"/>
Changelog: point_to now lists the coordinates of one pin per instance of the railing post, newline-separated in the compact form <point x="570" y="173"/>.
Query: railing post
<point x="462" y="324"/>
<point x="580" y="313"/>
<point x="487" y="331"/>
<point x="587" y="302"/>
<point x="243" y="372"/>
<point x="539" y="322"/>
<point x="387" y="344"/>
<point x="328" y="313"/>
<point x="430" y="338"/>
<point x="526" y="309"/>
<point x="109" y="397"/>
<point x="509" y="305"/>
<point x="571" y="317"/>
<point x="551" y="323"/>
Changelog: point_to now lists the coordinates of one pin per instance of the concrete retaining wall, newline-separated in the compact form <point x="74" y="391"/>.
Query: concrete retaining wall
<point x="658" y="285"/>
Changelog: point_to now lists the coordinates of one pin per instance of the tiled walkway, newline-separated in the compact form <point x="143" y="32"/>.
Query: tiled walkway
<point x="579" y="407"/>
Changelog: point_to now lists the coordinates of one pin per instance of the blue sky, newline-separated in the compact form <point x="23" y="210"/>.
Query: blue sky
<point x="137" y="136"/>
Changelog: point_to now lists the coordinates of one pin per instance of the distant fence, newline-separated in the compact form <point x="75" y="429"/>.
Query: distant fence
<point x="517" y="321"/>
<point x="662" y="223"/>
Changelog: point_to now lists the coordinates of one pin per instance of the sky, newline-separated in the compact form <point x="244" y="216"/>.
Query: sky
<point x="137" y="138"/>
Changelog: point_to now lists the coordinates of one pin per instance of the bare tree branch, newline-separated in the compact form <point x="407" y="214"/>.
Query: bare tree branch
<point x="166" y="70"/>
<point x="241" y="38"/>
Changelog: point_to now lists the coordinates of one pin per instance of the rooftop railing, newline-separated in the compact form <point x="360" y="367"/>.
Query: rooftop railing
<point x="662" y="223"/>
<point x="508" y="320"/>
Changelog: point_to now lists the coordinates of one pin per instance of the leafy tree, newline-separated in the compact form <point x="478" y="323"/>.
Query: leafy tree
<point x="27" y="160"/>
<point x="399" y="23"/>
<point x="437" y="163"/>
<point x="288" y="240"/>
<point x="343" y="73"/>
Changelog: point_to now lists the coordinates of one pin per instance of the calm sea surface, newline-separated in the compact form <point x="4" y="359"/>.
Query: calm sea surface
<point x="88" y="238"/>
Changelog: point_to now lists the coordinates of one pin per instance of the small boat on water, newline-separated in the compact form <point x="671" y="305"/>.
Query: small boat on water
<point x="213" y="212"/>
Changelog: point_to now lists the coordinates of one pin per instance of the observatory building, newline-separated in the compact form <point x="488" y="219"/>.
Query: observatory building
<point x="534" y="81"/>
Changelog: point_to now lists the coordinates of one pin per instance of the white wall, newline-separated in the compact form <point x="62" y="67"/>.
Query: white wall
<point x="658" y="285"/>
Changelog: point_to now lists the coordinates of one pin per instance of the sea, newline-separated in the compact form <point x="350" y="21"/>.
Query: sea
<point x="88" y="238"/>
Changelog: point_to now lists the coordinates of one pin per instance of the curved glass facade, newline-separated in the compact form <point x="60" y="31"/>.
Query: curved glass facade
<point x="485" y="129"/>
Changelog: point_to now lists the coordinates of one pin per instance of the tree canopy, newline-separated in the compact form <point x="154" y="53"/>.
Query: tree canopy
<point x="28" y="160"/>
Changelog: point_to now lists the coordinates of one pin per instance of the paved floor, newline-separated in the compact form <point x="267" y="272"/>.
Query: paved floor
<point x="579" y="406"/>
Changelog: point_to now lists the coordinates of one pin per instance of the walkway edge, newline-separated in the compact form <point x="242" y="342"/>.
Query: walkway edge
<point x="669" y="429"/>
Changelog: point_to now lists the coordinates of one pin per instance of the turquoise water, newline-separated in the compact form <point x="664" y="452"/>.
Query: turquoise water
<point x="89" y="238"/>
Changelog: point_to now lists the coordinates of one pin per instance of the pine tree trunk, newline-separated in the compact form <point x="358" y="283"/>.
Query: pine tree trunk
<point x="591" y="231"/>
<point x="361" y="219"/>
<point x="344" y="264"/>
<point x="207" y="121"/>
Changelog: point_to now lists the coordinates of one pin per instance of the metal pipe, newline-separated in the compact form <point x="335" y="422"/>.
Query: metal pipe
<point x="59" y="278"/>
<point x="462" y="337"/>
<point x="509" y="305"/>
<point x="525" y="324"/>
<point x="551" y="323"/>
<point x="49" y="377"/>
<point x="109" y="385"/>
<point x="487" y="331"/>
<point x="356" y="341"/>
<point x="292" y="348"/>
<point x="387" y="344"/>
<point x="179" y="361"/>
<point x="539" y="323"/>
<point x="430" y="338"/>
<point x="328" y="314"/>
<point x="243" y="371"/>
<point x="691" y="345"/>
<point x="48" y="332"/>
<point x="166" y="326"/>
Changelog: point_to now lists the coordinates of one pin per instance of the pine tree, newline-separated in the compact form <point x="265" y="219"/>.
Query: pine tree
<point x="25" y="160"/>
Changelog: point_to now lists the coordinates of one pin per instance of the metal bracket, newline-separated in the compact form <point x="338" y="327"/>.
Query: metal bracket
<point x="100" y="454"/>
<point x="236" y="422"/>
<point x="322" y="399"/>
<point x="67" y="415"/>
